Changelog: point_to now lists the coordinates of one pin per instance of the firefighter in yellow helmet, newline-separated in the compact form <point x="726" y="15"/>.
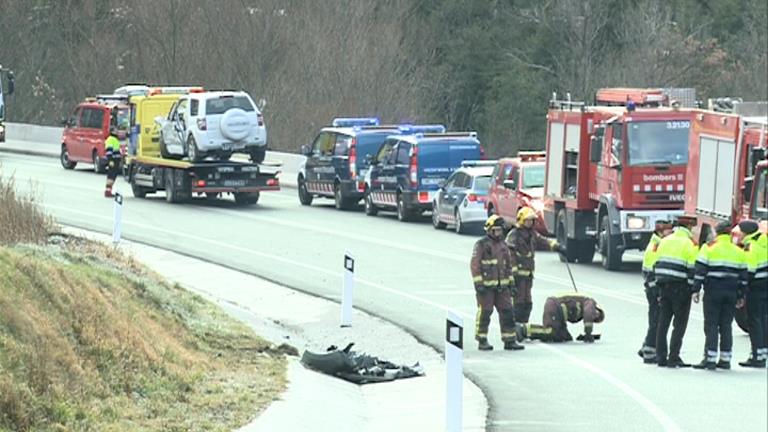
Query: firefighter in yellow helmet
<point x="522" y="242"/>
<point x="491" y="268"/>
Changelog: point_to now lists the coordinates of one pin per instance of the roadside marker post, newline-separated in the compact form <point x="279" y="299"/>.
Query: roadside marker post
<point x="116" y="229"/>
<point x="347" y="290"/>
<point x="454" y="357"/>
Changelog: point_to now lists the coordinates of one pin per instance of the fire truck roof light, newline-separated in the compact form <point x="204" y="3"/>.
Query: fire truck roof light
<point x="355" y="121"/>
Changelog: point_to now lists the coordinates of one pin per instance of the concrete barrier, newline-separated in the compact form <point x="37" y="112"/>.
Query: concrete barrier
<point x="45" y="141"/>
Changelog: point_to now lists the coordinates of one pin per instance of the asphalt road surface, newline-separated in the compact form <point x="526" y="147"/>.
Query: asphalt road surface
<point x="410" y="273"/>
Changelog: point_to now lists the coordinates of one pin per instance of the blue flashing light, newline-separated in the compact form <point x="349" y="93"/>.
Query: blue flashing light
<point x="422" y="129"/>
<point x="355" y="121"/>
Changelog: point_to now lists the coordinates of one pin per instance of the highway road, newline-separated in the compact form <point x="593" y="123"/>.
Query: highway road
<point x="409" y="274"/>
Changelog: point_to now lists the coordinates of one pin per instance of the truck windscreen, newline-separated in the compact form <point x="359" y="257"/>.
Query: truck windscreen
<point x="658" y="142"/>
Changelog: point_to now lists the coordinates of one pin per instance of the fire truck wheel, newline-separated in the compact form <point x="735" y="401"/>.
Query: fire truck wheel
<point x="609" y="247"/>
<point x="562" y="238"/>
<point x="139" y="191"/>
<point x="246" y="198"/>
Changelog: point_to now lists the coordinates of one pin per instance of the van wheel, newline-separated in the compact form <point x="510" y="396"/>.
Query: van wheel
<point x="339" y="201"/>
<point x="193" y="153"/>
<point x="403" y="215"/>
<point x="370" y="207"/>
<point x="98" y="166"/>
<point x="305" y="198"/>
<point x="64" y="158"/>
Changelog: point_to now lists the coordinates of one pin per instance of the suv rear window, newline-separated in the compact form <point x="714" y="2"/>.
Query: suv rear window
<point x="221" y="104"/>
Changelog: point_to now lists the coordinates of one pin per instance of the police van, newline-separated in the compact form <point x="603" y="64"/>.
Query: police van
<point x="338" y="158"/>
<point x="408" y="170"/>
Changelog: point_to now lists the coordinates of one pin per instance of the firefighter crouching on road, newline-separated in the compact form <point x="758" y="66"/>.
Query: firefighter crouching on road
<point x="648" y="351"/>
<point x="491" y="267"/>
<point x="112" y="150"/>
<point x="558" y="312"/>
<point x="523" y="241"/>
<point x="673" y="275"/>
<point x="721" y="268"/>
<point x="756" y="251"/>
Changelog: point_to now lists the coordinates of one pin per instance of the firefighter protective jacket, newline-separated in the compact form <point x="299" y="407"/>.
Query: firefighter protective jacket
<point x="756" y="251"/>
<point x="721" y="265"/>
<point x="675" y="258"/>
<point x="576" y="307"/>
<point x="491" y="264"/>
<point x="522" y="243"/>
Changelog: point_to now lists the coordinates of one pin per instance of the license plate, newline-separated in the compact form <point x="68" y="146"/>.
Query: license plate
<point x="234" y="183"/>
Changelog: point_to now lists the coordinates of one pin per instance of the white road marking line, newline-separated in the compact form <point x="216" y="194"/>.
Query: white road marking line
<point x="668" y="424"/>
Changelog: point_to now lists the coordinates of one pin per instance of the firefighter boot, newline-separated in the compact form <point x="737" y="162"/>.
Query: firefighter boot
<point x="723" y="364"/>
<point x="521" y="331"/>
<point x="108" y="193"/>
<point x="483" y="345"/>
<point x="512" y="345"/>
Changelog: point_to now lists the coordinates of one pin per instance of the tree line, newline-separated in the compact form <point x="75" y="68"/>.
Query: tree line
<point x="484" y="65"/>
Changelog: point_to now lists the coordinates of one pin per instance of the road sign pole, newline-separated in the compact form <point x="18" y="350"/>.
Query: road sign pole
<point x="116" y="228"/>
<point x="347" y="290"/>
<point x="454" y="354"/>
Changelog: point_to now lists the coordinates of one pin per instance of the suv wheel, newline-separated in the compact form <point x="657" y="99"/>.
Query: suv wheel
<point x="64" y="158"/>
<point x="193" y="153"/>
<point x="258" y="154"/>
<point x="459" y="225"/>
<point x="436" y="223"/>
<point x="305" y="198"/>
<point x="370" y="207"/>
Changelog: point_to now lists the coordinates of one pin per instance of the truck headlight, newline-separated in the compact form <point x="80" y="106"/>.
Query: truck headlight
<point x="636" y="222"/>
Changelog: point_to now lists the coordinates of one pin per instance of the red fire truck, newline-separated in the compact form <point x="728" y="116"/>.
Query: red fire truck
<point x="612" y="172"/>
<point x="725" y="178"/>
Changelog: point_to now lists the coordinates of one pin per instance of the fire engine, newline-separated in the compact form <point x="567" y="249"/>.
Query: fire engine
<point x="612" y="171"/>
<point x="725" y="177"/>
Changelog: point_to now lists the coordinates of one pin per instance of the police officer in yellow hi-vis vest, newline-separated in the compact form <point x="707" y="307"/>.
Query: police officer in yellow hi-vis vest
<point x="113" y="156"/>
<point x="673" y="275"/>
<point x="756" y="250"/>
<point x="721" y="269"/>
<point x="648" y="351"/>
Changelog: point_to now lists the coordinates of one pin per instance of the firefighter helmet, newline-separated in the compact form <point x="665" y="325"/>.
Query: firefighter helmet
<point x="525" y="213"/>
<point x="494" y="221"/>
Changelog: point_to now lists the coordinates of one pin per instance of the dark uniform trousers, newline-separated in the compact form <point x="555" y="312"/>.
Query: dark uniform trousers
<point x="523" y="300"/>
<point x="501" y="300"/>
<point x="719" y="307"/>
<point x="757" y="313"/>
<point x="652" y="295"/>
<point x="675" y="302"/>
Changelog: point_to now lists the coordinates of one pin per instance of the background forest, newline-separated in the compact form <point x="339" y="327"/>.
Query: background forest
<point x="485" y="65"/>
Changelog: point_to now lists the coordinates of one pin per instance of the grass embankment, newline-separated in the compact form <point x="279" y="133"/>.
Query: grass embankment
<point x="92" y="341"/>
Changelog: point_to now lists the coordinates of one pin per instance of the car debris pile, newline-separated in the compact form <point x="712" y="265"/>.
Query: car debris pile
<point x="359" y="368"/>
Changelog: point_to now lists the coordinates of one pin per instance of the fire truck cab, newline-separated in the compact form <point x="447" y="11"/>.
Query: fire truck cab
<point x="611" y="173"/>
<point x="726" y="170"/>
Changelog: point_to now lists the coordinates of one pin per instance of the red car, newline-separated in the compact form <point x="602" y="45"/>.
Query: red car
<point x="516" y="183"/>
<point x="86" y="129"/>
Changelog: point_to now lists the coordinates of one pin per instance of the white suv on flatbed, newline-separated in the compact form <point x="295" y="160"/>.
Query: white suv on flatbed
<point x="215" y="123"/>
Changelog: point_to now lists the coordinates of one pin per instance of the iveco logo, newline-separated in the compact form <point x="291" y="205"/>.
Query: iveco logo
<point x="677" y="197"/>
<point x="659" y="177"/>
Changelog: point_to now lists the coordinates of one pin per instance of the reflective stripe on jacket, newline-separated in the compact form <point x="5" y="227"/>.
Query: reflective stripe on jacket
<point x="756" y="251"/>
<point x="721" y="265"/>
<point x="676" y="257"/>
<point x="522" y="244"/>
<point x="491" y="264"/>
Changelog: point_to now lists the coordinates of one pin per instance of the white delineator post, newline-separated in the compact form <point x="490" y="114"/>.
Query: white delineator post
<point x="116" y="231"/>
<point x="347" y="290"/>
<point x="454" y="357"/>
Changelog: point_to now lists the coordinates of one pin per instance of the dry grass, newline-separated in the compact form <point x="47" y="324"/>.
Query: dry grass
<point x="21" y="220"/>
<point x="86" y="344"/>
<point x="90" y="340"/>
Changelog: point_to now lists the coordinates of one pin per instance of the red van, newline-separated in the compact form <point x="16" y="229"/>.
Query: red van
<point x="515" y="183"/>
<point x="86" y="129"/>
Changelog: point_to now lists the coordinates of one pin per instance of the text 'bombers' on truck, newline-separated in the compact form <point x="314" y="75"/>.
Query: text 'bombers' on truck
<point x="148" y="171"/>
<point x="6" y="89"/>
<point x="611" y="173"/>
